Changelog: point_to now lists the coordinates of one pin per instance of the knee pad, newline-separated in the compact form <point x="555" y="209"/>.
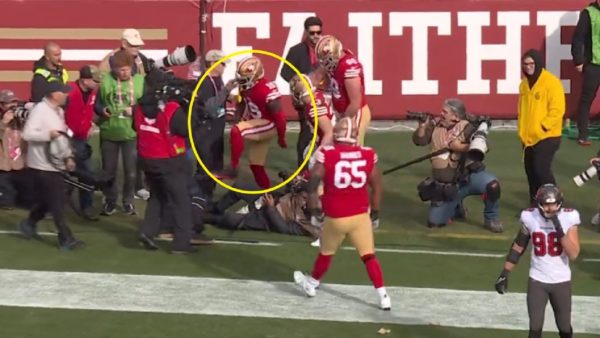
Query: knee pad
<point x="492" y="191"/>
<point x="535" y="334"/>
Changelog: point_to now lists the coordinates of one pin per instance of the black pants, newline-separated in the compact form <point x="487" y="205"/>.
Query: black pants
<point x="167" y="181"/>
<point x="589" y="87"/>
<point x="209" y="139"/>
<point x="304" y="137"/>
<point x="50" y="197"/>
<point x="538" y="164"/>
<point x="559" y="294"/>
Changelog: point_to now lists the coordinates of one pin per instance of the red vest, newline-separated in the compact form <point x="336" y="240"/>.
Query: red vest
<point x="79" y="114"/>
<point x="154" y="138"/>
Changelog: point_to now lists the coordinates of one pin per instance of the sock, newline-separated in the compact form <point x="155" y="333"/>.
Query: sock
<point x="260" y="176"/>
<point x="381" y="291"/>
<point x="373" y="269"/>
<point x="321" y="266"/>
<point x="237" y="146"/>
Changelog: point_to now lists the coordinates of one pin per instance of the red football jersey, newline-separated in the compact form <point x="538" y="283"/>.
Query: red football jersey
<point x="345" y="183"/>
<point x="323" y="109"/>
<point x="347" y="68"/>
<point x="257" y="97"/>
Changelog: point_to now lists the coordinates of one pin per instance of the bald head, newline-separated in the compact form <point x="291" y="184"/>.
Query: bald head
<point x="52" y="54"/>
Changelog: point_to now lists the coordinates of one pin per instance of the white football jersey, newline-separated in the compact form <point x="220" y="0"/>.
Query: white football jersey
<point x="549" y="263"/>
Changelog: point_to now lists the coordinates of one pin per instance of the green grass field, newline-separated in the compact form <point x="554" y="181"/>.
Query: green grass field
<point x="112" y="248"/>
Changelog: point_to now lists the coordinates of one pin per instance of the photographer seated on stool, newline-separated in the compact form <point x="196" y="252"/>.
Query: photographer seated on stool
<point x="48" y="154"/>
<point x="454" y="176"/>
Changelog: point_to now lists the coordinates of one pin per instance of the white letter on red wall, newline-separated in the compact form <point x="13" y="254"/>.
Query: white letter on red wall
<point x="555" y="50"/>
<point x="229" y="24"/>
<point x="420" y="23"/>
<point x="477" y="52"/>
<point x="364" y="23"/>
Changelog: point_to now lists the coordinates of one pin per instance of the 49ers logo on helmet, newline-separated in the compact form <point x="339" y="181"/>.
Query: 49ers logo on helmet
<point x="329" y="51"/>
<point x="249" y="71"/>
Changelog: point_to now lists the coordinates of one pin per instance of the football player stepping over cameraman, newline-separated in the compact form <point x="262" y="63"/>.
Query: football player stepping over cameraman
<point x="262" y="119"/>
<point x="347" y="82"/>
<point x="554" y="236"/>
<point x="347" y="170"/>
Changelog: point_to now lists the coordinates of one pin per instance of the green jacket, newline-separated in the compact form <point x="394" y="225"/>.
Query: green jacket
<point x="119" y="127"/>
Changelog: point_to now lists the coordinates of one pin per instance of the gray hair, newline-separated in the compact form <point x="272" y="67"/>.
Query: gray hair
<point x="457" y="106"/>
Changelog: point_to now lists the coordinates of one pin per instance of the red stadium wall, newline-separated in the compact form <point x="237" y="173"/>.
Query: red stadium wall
<point x="415" y="52"/>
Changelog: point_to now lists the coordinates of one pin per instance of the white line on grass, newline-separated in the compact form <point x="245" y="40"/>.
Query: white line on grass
<point x="401" y="251"/>
<point x="251" y="298"/>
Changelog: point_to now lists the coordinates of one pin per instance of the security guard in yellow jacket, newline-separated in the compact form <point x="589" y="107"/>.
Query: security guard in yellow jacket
<point x="540" y="122"/>
<point x="46" y="70"/>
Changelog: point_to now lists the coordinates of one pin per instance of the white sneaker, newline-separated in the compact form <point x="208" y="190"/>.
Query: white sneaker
<point x="142" y="194"/>
<point x="316" y="243"/>
<point x="596" y="219"/>
<point x="309" y="285"/>
<point x="385" y="303"/>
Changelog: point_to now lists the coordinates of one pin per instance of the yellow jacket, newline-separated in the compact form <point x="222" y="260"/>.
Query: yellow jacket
<point x="541" y="109"/>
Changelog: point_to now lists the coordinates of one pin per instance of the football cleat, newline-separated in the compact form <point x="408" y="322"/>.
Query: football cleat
<point x="309" y="285"/>
<point x="385" y="303"/>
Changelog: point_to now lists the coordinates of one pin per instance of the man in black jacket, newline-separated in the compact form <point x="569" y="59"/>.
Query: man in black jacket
<point x="208" y="120"/>
<point x="303" y="57"/>
<point x="47" y="69"/>
<point x="585" y="50"/>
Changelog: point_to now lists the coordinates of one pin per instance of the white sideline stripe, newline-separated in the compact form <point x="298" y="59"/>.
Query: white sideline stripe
<point x="251" y="298"/>
<point x="404" y="251"/>
<point x="429" y="252"/>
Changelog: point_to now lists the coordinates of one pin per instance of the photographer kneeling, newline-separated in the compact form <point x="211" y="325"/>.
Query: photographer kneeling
<point x="457" y="172"/>
<point x="161" y="125"/>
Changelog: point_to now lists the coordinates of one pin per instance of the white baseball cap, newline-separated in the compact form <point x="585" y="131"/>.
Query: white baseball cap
<point x="132" y="36"/>
<point x="215" y="55"/>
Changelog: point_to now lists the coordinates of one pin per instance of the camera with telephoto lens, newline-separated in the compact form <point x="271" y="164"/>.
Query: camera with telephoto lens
<point x="478" y="145"/>
<point x="166" y="87"/>
<point x="586" y="175"/>
<point x="181" y="56"/>
<point x="418" y="115"/>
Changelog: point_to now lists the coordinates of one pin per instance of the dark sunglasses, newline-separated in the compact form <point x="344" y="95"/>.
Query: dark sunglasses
<point x="314" y="32"/>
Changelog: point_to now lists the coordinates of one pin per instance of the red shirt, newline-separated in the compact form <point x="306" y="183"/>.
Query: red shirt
<point x="323" y="109"/>
<point x="154" y="137"/>
<point x="257" y="98"/>
<point x="348" y="67"/>
<point x="345" y="183"/>
<point x="79" y="114"/>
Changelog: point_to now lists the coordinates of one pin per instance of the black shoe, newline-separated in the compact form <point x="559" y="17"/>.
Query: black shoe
<point x="227" y="174"/>
<point x="129" y="209"/>
<point x="147" y="243"/>
<point x="90" y="214"/>
<point x="71" y="244"/>
<point x="28" y="229"/>
<point x="109" y="208"/>
<point x="185" y="251"/>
